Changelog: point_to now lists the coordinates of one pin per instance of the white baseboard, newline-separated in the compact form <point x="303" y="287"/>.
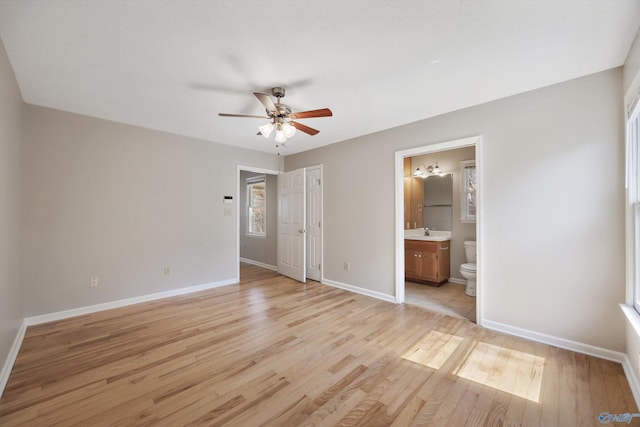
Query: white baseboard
<point x="358" y="290"/>
<point x="578" y="347"/>
<point x="44" y="318"/>
<point x="11" y="357"/>
<point x="259" y="264"/>
<point x="632" y="377"/>
<point x="457" y="281"/>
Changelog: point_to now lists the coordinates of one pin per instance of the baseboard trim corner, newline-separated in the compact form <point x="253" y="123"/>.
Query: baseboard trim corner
<point x="259" y="264"/>
<point x="11" y="357"/>
<point x="578" y="347"/>
<point x="65" y="314"/>
<point x="358" y="290"/>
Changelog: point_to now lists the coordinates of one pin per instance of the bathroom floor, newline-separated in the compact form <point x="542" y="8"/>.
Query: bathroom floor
<point x="448" y="298"/>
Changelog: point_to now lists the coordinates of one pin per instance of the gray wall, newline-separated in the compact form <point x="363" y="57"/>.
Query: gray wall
<point x="544" y="194"/>
<point x="11" y="293"/>
<point x="119" y="202"/>
<point x="449" y="161"/>
<point x="264" y="250"/>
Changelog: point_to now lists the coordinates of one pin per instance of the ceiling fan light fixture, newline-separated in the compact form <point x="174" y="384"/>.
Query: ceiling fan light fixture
<point x="288" y="130"/>
<point x="280" y="135"/>
<point x="266" y="129"/>
<point x="280" y="115"/>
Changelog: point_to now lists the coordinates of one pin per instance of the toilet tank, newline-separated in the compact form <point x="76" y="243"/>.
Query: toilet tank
<point x="470" y="250"/>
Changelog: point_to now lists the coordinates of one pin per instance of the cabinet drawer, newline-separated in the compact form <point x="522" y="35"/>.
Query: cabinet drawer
<point x="421" y="245"/>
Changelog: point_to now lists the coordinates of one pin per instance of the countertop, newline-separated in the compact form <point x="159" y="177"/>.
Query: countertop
<point x="418" y="234"/>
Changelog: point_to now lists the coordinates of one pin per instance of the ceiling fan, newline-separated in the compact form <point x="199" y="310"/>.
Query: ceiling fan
<point x="280" y="115"/>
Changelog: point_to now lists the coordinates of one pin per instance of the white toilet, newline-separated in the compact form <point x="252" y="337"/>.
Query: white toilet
<point x="468" y="270"/>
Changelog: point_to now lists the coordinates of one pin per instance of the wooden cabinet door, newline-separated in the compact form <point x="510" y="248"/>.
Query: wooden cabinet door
<point x="411" y="264"/>
<point x="417" y="201"/>
<point x="429" y="266"/>
<point x="413" y="198"/>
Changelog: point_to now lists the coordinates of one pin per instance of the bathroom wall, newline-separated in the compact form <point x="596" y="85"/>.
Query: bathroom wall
<point x="260" y="249"/>
<point x="449" y="161"/>
<point x="543" y="270"/>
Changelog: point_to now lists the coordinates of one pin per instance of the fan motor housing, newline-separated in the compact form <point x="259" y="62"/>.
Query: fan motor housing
<point x="283" y="109"/>
<point x="278" y="92"/>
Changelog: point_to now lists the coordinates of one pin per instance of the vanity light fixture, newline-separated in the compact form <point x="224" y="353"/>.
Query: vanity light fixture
<point x="423" y="171"/>
<point x="420" y="171"/>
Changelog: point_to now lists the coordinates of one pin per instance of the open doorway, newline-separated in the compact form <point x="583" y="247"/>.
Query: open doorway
<point x="432" y="270"/>
<point x="257" y="202"/>
<point x="260" y="213"/>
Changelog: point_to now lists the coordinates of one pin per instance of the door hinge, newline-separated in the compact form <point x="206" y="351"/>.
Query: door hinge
<point x="318" y="224"/>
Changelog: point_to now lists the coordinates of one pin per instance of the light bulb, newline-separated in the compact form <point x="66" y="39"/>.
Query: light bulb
<point x="266" y="129"/>
<point x="280" y="135"/>
<point x="289" y="130"/>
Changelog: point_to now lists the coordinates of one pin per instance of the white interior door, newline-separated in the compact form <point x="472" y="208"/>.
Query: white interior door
<point x="314" y="214"/>
<point x="291" y="225"/>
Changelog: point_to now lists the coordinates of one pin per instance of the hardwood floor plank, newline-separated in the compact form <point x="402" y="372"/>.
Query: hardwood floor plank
<point x="272" y="351"/>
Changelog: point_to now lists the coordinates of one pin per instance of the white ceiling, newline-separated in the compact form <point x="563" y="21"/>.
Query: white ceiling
<point x="172" y="65"/>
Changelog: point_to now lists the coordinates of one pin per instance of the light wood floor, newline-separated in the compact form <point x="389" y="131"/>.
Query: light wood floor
<point x="271" y="351"/>
<point x="449" y="298"/>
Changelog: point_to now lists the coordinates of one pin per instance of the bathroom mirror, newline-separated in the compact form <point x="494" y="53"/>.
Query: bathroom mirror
<point x="437" y="202"/>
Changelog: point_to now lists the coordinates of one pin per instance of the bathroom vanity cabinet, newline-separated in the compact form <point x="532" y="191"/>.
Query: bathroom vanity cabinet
<point x="426" y="261"/>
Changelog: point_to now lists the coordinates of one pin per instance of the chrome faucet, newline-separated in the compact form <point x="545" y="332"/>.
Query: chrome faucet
<point x="427" y="232"/>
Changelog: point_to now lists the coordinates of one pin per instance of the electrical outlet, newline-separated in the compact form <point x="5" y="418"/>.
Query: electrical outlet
<point x="167" y="271"/>
<point x="347" y="266"/>
<point x="94" y="282"/>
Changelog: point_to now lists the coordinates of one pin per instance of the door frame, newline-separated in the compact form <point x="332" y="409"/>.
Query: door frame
<point x="241" y="168"/>
<point x="321" y="169"/>
<point x="475" y="141"/>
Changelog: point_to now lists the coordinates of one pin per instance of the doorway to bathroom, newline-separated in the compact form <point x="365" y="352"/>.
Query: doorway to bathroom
<point x="433" y="197"/>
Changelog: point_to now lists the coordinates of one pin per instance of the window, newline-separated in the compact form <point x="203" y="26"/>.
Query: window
<point x="468" y="191"/>
<point x="633" y="204"/>
<point x="257" y="206"/>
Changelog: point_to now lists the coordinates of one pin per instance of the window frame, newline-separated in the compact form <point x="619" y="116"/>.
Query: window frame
<point x="632" y="204"/>
<point x="250" y="208"/>
<point x="465" y="216"/>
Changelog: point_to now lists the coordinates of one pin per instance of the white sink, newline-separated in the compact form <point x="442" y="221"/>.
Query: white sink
<point x="418" y="234"/>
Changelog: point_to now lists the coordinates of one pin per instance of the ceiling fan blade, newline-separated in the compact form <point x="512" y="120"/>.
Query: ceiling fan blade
<point x="323" y="112"/>
<point x="303" y="128"/>
<point x="267" y="102"/>
<point x="243" y="115"/>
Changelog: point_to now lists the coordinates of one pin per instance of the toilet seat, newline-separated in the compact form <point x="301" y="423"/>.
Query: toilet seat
<point x="470" y="267"/>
